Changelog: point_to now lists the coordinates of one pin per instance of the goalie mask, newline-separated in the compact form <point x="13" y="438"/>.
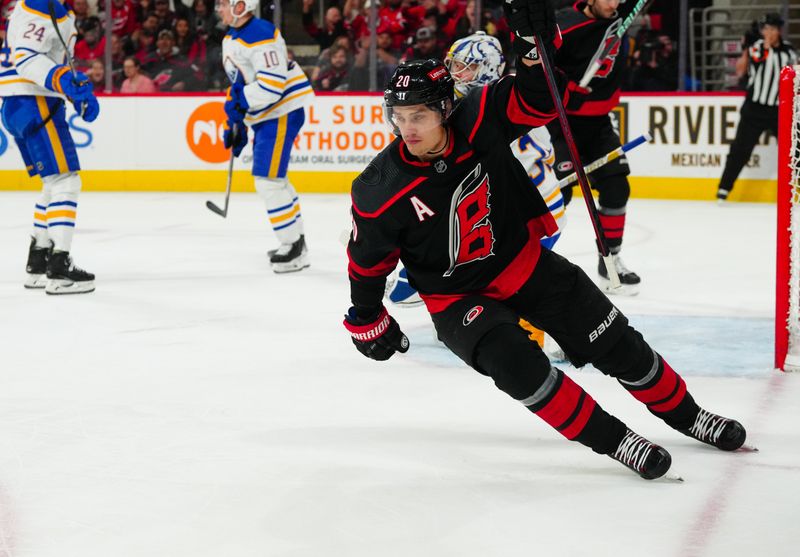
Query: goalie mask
<point x="475" y="61"/>
<point x="424" y="82"/>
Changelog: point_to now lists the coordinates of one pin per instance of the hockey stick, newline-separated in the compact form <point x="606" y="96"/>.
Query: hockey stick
<point x="52" y="9"/>
<point x="552" y="85"/>
<point x="597" y="62"/>
<point x="210" y="204"/>
<point x="605" y="159"/>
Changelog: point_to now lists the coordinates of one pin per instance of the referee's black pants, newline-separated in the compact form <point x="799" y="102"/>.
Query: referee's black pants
<point x="754" y="119"/>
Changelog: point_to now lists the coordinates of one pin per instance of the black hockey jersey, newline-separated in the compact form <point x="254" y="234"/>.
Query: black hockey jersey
<point x="467" y="222"/>
<point x="584" y="39"/>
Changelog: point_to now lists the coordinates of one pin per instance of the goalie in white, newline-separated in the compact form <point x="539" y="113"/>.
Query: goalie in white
<point x="268" y="94"/>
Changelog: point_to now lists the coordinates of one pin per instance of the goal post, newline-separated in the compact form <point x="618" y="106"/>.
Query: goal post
<point x="787" y="292"/>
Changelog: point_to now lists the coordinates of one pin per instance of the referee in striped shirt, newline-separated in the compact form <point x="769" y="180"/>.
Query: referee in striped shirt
<point x="763" y="62"/>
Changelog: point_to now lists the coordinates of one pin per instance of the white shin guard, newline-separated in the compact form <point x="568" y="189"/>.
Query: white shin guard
<point x="62" y="208"/>
<point x="283" y="208"/>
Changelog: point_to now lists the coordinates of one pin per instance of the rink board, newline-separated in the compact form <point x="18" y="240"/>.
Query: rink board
<point x="174" y="143"/>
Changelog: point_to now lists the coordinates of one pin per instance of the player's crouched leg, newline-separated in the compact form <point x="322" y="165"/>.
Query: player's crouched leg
<point x="653" y="382"/>
<point x="486" y="335"/>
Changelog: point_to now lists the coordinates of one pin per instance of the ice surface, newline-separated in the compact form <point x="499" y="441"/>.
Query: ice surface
<point x="198" y="405"/>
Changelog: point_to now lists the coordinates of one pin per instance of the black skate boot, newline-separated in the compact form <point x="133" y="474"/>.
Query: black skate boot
<point x="289" y="258"/>
<point x="37" y="266"/>
<point x="627" y="278"/>
<point x="643" y="457"/>
<point x="63" y="277"/>
<point x="722" y="433"/>
<point x="271" y="252"/>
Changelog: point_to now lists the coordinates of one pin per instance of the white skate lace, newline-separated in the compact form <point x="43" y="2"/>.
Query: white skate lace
<point x="708" y="427"/>
<point x="633" y="451"/>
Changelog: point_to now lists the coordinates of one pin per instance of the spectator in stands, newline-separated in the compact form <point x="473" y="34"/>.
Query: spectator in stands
<point x="81" y="10"/>
<point x="334" y="78"/>
<point x="188" y="43"/>
<point x="324" y="59"/>
<point x="150" y="23"/>
<point x="654" y="64"/>
<point x="202" y="19"/>
<point x="165" y="16"/>
<point x="387" y="60"/>
<point x="123" y="18"/>
<point x="136" y="82"/>
<point x="170" y="70"/>
<point x="93" y="43"/>
<point x="333" y="24"/>
<point x="146" y="44"/>
<point x="97" y="75"/>
<point x="425" y="46"/>
<point x="402" y="21"/>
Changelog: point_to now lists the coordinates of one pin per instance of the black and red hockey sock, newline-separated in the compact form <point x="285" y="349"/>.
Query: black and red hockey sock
<point x="664" y="393"/>
<point x="571" y="411"/>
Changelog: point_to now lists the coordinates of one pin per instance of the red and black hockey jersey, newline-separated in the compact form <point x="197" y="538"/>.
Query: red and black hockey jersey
<point x="467" y="222"/>
<point x="584" y="39"/>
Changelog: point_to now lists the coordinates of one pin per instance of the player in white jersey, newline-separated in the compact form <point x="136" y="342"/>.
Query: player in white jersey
<point x="268" y="93"/>
<point x="35" y="80"/>
<point x="475" y="61"/>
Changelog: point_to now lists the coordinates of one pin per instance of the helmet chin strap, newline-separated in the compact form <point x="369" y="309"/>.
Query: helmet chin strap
<point x="446" y="143"/>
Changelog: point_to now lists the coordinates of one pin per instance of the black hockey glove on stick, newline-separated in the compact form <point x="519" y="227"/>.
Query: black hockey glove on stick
<point x="378" y="336"/>
<point x="583" y="181"/>
<point x="527" y="19"/>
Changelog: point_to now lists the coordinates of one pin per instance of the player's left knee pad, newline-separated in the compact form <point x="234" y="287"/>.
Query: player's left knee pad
<point x="613" y="191"/>
<point x="64" y="186"/>
<point x="629" y="359"/>
<point x="515" y="363"/>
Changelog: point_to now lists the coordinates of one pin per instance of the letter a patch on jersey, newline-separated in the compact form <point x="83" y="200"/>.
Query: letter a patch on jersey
<point x="421" y="209"/>
<point x="471" y="235"/>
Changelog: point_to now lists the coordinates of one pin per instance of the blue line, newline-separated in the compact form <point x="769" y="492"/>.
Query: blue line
<point x="296" y="87"/>
<point x="62" y="203"/>
<point x="40" y="207"/>
<point x="283" y="77"/>
<point x="281" y="227"/>
<point x="556" y="205"/>
<point x="59" y="223"/>
<point x="268" y="89"/>
<point x="40" y="226"/>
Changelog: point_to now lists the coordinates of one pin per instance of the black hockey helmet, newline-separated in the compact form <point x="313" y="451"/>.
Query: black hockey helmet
<point x="425" y="82"/>
<point x="773" y="18"/>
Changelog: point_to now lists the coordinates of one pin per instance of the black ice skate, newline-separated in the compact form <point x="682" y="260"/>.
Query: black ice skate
<point x="627" y="278"/>
<point x="643" y="457"/>
<point x="722" y="433"/>
<point x="289" y="258"/>
<point x="63" y="277"/>
<point x="37" y="266"/>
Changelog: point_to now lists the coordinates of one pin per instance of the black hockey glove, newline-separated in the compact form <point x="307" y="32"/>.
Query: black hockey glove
<point x="378" y="336"/>
<point x="577" y="96"/>
<point x="527" y="18"/>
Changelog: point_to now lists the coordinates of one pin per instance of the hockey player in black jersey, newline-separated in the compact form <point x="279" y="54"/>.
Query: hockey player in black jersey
<point x="587" y="28"/>
<point x="449" y="199"/>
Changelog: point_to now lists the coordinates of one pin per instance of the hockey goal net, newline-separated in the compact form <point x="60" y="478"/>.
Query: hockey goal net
<point x="787" y="295"/>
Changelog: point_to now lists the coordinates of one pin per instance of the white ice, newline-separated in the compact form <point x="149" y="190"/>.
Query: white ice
<point x="198" y="405"/>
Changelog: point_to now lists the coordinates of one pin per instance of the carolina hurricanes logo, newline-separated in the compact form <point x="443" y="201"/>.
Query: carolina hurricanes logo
<point x="607" y="63"/>
<point x="471" y="235"/>
<point x="472" y="315"/>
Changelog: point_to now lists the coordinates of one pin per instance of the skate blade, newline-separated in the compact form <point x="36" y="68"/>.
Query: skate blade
<point x="57" y="287"/>
<point x="290" y="266"/>
<point x="36" y="281"/>
<point x="670" y="478"/>
<point x="747" y="449"/>
<point x="623" y="290"/>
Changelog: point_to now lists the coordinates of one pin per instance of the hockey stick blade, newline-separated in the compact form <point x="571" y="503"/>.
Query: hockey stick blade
<point x="215" y="209"/>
